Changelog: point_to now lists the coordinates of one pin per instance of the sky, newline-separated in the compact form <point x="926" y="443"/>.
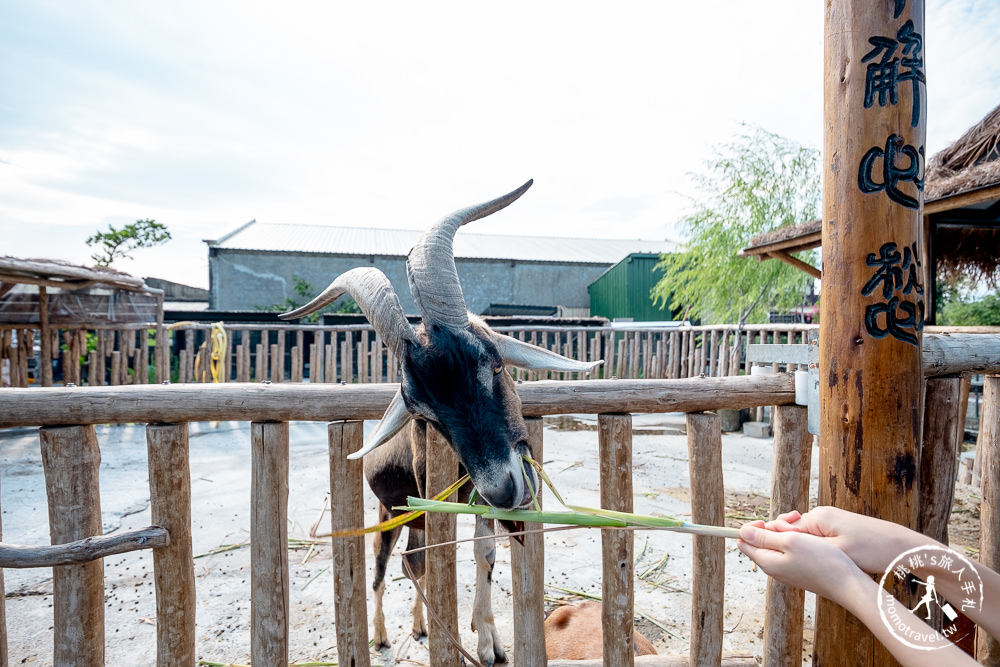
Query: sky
<point x="206" y="114"/>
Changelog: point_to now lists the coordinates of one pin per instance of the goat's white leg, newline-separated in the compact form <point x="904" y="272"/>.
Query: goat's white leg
<point x="380" y="638"/>
<point x="419" y="624"/>
<point x="490" y="647"/>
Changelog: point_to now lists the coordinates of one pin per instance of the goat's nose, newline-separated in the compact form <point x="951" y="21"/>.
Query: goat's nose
<point x="505" y="495"/>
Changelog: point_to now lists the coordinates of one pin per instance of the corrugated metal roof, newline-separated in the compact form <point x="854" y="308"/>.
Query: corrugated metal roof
<point x="397" y="242"/>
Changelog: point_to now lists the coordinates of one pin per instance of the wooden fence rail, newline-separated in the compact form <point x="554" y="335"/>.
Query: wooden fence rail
<point x="67" y="415"/>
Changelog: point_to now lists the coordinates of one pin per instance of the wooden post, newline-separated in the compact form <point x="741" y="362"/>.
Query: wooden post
<point x="988" y="648"/>
<point x="269" y="544"/>
<point x="873" y="293"/>
<point x="3" y="598"/>
<point x="173" y="565"/>
<point x="527" y="564"/>
<point x="440" y="576"/>
<point x="614" y="435"/>
<point x="708" y="506"/>
<point x="46" y="342"/>
<point x="791" y="463"/>
<point x="347" y="510"/>
<point x="942" y="439"/>
<point x="71" y="458"/>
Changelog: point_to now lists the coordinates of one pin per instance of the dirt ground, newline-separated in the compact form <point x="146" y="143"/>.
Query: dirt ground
<point x="220" y="464"/>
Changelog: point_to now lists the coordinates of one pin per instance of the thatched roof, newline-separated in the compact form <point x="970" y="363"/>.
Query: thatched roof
<point x="973" y="161"/>
<point x="57" y="273"/>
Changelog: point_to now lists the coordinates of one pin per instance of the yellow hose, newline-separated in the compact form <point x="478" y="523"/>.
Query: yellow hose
<point x="220" y="344"/>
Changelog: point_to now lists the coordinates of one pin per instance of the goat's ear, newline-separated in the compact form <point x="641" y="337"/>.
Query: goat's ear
<point x="395" y="418"/>
<point x="534" y="358"/>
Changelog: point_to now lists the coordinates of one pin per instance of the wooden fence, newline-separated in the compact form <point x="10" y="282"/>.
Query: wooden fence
<point x="70" y="448"/>
<point x="356" y="354"/>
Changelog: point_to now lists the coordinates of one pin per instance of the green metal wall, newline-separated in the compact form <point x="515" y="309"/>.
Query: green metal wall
<point x="623" y="290"/>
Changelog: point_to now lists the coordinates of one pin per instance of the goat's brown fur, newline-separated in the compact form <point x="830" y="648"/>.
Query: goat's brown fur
<point x="575" y="632"/>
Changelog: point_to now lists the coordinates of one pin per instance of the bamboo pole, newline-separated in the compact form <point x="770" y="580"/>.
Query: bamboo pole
<point x="873" y="300"/>
<point x="269" y="543"/>
<point x="791" y="463"/>
<point x="704" y="437"/>
<point x="71" y="458"/>
<point x="348" y="511"/>
<point x="942" y="440"/>
<point x="527" y="564"/>
<point x="617" y="546"/>
<point x="988" y="647"/>
<point x="440" y="576"/>
<point x="173" y="565"/>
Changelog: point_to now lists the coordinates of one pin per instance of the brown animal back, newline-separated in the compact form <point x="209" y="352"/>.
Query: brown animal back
<point x="574" y="632"/>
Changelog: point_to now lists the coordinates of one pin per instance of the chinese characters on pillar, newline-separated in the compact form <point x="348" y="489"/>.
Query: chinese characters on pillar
<point x="895" y="170"/>
<point x="900" y="314"/>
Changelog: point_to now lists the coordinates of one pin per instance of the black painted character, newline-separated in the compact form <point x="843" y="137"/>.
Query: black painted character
<point x="899" y="314"/>
<point x="892" y="175"/>
<point x="882" y="78"/>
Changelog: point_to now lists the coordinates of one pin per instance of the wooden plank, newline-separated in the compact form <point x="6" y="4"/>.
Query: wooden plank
<point x="173" y="565"/>
<point x="527" y="565"/>
<point x="622" y="357"/>
<point x="795" y="262"/>
<point x="192" y="353"/>
<point x="287" y="402"/>
<point x="708" y="500"/>
<point x="790" y="467"/>
<point x="348" y="358"/>
<point x="269" y="543"/>
<point x="988" y="647"/>
<point x="71" y="458"/>
<point x="440" y="573"/>
<point x="731" y="660"/>
<point x="969" y="198"/>
<point x="276" y="361"/>
<point x="142" y="363"/>
<point x="871" y="385"/>
<point x="347" y="510"/>
<point x="941" y="443"/>
<point x="162" y="355"/>
<point x="614" y="434"/>
<point x="363" y="346"/>
<point x="296" y="362"/>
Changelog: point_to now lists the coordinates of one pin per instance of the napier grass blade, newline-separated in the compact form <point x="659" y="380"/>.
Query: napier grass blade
<point x="389" y="524"/>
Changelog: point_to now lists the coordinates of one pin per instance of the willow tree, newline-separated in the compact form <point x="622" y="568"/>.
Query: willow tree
<point x="758" y="182"/>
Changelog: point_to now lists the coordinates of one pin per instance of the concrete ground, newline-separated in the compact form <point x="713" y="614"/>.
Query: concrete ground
<point x="220" y="469"/>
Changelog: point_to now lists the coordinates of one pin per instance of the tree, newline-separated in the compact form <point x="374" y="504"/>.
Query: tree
<point x="958" y="306"/>
<point x="758" y="182"/>
<point x="304" y="289"/>
<point x="120" y="243"/>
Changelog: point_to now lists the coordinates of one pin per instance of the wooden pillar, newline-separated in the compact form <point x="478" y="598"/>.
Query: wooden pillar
<point x="988" y="648"/>
<point x="347" y="510"/>
<point x="874" y="298"/>
<point x="269" y="544"/>
<point x="3" y="598"/>
<point x="173" y="565"/>
<point x="46" y="343"/>
<point x="942" y="438"/>
<point x="527" y="564"/>
<point x="71" y="459"/>
<point x="440" y="576"/>
<point x="785" y="606"/>
<point x="708" y="506"/>
<point x="614" y="432"/>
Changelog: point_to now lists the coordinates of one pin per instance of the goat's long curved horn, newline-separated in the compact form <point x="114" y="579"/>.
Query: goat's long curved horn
<point x="395" y="418"/>
<point x="534" y="358"/>
<point x="430" y="266"/>
<point x="378" y="301"/>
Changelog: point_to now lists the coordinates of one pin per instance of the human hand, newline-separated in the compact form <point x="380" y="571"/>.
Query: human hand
<point x="803" y="560"/>
<point x="871" y="543"/>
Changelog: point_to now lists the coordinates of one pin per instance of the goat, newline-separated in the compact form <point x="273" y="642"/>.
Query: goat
<point x="453" y="375"/>
<point x="576" y="632"/>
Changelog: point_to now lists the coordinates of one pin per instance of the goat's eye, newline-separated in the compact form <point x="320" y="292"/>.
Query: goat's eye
<point x="497" y="369"/>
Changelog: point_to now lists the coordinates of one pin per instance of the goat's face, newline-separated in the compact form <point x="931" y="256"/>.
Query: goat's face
<point x="455" y="379"/>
